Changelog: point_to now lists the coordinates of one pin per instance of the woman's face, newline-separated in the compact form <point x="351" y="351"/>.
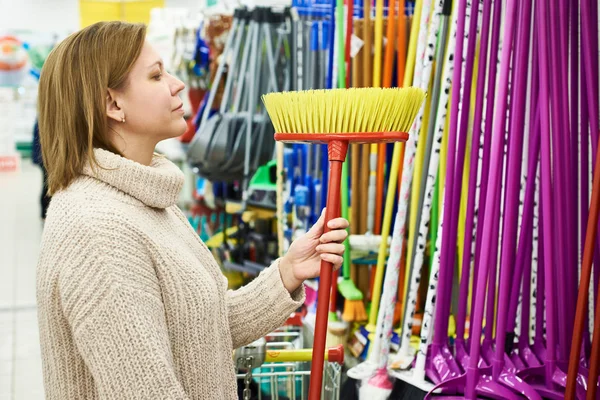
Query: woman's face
<point x="149" y="102"/>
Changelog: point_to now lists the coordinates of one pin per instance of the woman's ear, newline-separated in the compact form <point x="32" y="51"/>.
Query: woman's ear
<point x="113" y="107"/>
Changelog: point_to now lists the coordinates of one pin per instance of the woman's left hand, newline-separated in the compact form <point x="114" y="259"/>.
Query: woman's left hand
<point x="303" y="259"/>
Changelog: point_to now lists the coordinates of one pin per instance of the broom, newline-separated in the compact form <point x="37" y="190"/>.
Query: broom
<point x="337" y="118"/>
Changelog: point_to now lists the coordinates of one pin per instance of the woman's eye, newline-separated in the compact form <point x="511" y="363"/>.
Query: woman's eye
<point x="157" y="77"/>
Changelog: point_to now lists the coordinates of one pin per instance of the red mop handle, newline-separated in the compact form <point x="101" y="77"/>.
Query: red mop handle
<point x="337" y="156"/>
<point x="582" y="296"/>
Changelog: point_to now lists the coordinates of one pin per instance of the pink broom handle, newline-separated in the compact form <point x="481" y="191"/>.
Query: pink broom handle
<point x="547" y="200"/>
<point x="509" y="234"/>
<point x="491" y="93"/>
<point x="561" y="243"/>
<point x="473" y="173"/>
<point x="527" y="219"/>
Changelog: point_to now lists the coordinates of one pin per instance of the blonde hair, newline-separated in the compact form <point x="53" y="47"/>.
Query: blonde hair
<point x="72" y="95"/>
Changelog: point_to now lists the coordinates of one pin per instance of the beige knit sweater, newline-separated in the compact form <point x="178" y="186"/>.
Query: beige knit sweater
<point x="131" y="303"/>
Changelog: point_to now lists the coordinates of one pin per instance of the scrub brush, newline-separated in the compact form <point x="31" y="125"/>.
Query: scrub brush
<point x="337" y="117"/>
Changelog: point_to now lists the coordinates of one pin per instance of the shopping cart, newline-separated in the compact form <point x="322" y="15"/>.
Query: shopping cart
<point x="280" y="367"/>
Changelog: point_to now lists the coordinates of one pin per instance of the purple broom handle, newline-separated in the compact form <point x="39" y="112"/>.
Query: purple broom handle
<point x="589" y="120"/>
<point x="585" y="172"/>
<point x="571" y="214"/>
<point x="539" y="290"/>
<point x="560" y="144"/>
<point x="568" y="64"/>
<point x="594" y="135"/>
<point x="575" y="139"/>
<point x="492" y="276"/>
<point x="487" y="144"/>
<point x="550" y="362"/>
<point x="491" y="303"/>
<point x="529" y="202"/>
<point x="593" y="10"/>
<point x="462" y="142"/>
<point x="492" y="195"/>
<point x="513" y="175"/>
<point x="590" y="71"/>
<point x="576" y="158"/>
<point x="527" y="221"/>
<point x="475" y="139"/>
<point x="526" y="302"/>
<point x="440" y="333"/>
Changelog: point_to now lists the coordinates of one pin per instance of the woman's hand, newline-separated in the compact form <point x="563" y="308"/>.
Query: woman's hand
<point x="303" y="259"/>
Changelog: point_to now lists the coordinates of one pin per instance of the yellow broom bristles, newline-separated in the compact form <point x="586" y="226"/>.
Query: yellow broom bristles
<point x="353" y="110"/>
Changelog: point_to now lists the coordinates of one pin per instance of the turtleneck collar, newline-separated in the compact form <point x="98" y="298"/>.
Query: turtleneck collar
<point x="157" y="185"/>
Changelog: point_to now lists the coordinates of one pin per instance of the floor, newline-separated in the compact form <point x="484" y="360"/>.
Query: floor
<point x="20" y="233"/>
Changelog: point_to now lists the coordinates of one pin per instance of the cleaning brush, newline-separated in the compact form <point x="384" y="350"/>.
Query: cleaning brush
<point x="338" y="117"/>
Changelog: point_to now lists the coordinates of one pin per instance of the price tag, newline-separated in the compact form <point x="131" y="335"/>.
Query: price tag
<point x="356" y="44"/>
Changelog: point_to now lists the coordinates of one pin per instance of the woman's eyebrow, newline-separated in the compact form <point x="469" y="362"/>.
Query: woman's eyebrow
<point x="159" y="62"/>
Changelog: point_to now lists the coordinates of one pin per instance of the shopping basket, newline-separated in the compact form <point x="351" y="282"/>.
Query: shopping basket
<point x="277" y="367"/>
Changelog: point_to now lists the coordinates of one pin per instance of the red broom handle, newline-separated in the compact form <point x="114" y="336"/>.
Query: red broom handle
<point x="337" y="156"/>
<point x="582" y="296"/>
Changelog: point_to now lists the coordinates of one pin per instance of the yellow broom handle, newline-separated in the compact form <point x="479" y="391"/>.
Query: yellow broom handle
<point x="333" y="354"/>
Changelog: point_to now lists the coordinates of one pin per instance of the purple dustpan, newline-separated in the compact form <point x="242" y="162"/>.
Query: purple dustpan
<point x="485" y="387"/>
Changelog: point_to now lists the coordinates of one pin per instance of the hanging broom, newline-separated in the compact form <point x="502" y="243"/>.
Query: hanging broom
<point x="338" y="117"/>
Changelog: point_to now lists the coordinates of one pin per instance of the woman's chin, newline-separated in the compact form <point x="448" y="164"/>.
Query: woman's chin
<point x="178" y="130"/>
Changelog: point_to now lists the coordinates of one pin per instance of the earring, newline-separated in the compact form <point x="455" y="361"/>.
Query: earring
<point x="123" y="119"/>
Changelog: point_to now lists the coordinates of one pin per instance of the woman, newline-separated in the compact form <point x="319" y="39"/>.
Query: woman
<point x="131" y="303"/>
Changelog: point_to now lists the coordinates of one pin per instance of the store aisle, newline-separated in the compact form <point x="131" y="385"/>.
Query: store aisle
<point x="20" y="233"/>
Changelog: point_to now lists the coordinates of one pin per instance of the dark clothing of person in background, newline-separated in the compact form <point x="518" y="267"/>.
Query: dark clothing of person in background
<point x="36" y="155"/>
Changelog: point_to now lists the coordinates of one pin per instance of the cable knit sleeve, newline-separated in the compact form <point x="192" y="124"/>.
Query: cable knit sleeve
<point x="261" y="306"/>
<point x="111" y="300"/>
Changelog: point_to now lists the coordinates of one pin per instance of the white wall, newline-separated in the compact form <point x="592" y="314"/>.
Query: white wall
<point x="39" y="15"/>
<point x="190" y="4"/>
